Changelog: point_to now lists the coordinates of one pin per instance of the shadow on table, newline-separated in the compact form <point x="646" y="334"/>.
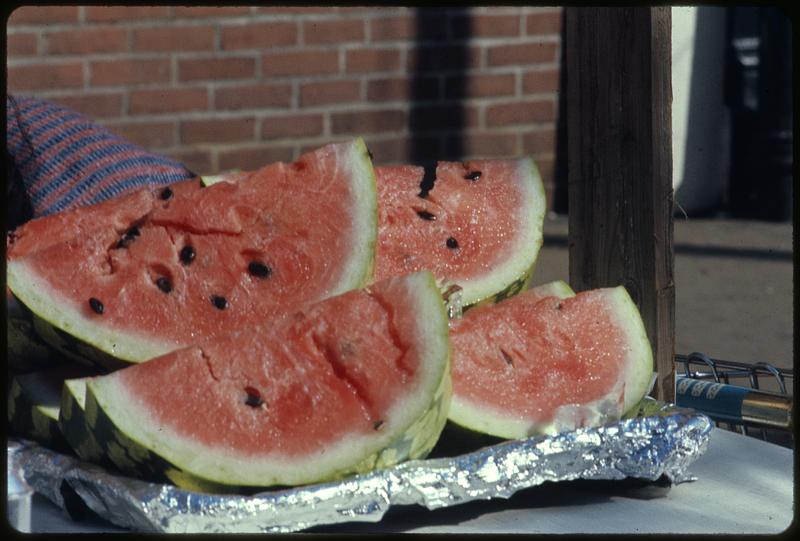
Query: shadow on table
<point x="576" y="493"/>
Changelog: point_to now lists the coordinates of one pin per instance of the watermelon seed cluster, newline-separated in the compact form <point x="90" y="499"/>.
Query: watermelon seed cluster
<point x="426" y="185"/>
<point x="128" y="237"/>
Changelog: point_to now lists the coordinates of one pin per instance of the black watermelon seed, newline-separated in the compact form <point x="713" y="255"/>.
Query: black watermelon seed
<point x="425" y="215"/>
<point x="259" y="269"/>
<point x="164" y="284"/>
<point x="166" y="193"/>
<point x="128" y="237"/>
<point x="473" y="175"/>
<point x="428" y="180"/>
<point x="96" y="305"/>
<point x="187" y="255"/>
<point x="559" y="306"/>
<point x="452" y="243"/>
<point x="219" y="301"/>
<point x="253" y="397"/>
<point x="377" y="424"/>
<point x="507" y="358"/>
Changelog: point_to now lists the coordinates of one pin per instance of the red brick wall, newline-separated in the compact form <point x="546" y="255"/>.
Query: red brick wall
<point x="237" y="87"/>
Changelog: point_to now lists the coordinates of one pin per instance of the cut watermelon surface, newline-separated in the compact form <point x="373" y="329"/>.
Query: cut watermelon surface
<point x="150" y="272"/>
<point x="355" y="382"/>
<point x="479" y="226"/>
<point x="546" y="361"/>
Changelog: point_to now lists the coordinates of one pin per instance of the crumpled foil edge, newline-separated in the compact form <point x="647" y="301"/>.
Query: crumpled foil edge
<point x="662" y="443"/>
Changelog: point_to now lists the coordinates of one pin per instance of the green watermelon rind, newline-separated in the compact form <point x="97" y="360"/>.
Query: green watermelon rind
<point x="27" y="352"/>
<point x="29" y="417"/>
<point x="514" y="274"/>
<point x="489" y="420"/>
<point x="73" y="425"/>
<point x="140" y="449"/>
<point x="556" y="288"/>
<point x="64" y="327"/>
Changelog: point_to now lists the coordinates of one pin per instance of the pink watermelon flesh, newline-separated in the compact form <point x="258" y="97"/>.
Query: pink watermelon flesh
<point x="347" y="369"/>
<point x="282" y="235"/>
<point x="535" y="363"/>
<point x="478" y="216"/>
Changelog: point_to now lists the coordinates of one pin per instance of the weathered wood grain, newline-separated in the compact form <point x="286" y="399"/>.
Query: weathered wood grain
<point x="619" y="160"/>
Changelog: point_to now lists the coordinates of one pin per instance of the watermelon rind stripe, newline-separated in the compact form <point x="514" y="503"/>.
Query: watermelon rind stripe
<point x="635" y="381"/>
<point x="139" y="447"/>
<point x="514" y="274"/>
<point x="27" y="352"/>
<point x="73" y="425"/>
<point x="32" y="414"/>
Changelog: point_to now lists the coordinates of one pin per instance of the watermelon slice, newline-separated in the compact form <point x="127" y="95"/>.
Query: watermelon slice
<point x="144" y="274"/>
<point x="548" y="361"/>
<point x="479" y="226"/>
<point x="352" y="383"/>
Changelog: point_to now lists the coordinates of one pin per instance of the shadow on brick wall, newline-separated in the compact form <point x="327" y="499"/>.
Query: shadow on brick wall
<point x="560" y="198"/>
<point x="437" y="112"/>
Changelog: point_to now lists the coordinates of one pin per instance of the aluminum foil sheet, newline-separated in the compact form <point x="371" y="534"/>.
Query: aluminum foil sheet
<point x="659" y="441"/>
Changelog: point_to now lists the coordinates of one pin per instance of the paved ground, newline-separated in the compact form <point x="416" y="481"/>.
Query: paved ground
<point x="733" y="286"/>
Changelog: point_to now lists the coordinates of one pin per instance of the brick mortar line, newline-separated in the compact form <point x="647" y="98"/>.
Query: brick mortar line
<point x="280" y="17"/>
<point x="327" y="133"/>
<point x="321" y="140"/>
<point x="217" y="149"/>
<point x="344" y="106"/>
<point x="136" y="56"/>
<point x="258" y="54"/>
<point x="44" y="30"/>
<point x="222" y="20"/>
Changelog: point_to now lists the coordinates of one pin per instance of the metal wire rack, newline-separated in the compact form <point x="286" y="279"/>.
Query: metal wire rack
<point x="700" y="366"/>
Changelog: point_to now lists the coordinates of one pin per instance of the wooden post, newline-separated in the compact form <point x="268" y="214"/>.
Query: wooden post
<point x="619" y="161"/>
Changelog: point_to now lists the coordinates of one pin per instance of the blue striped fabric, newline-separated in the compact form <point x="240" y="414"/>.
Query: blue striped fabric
<point x="62" y="159"/>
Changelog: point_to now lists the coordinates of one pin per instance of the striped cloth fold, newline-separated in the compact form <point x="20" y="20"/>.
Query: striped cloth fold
<point x="60" y="159"/>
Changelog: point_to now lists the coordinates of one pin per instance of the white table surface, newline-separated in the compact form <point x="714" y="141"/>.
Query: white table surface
<point x="744" y="486"/>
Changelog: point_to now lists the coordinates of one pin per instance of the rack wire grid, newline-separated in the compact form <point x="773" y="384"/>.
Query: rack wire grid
<point x="701" y="366"/>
